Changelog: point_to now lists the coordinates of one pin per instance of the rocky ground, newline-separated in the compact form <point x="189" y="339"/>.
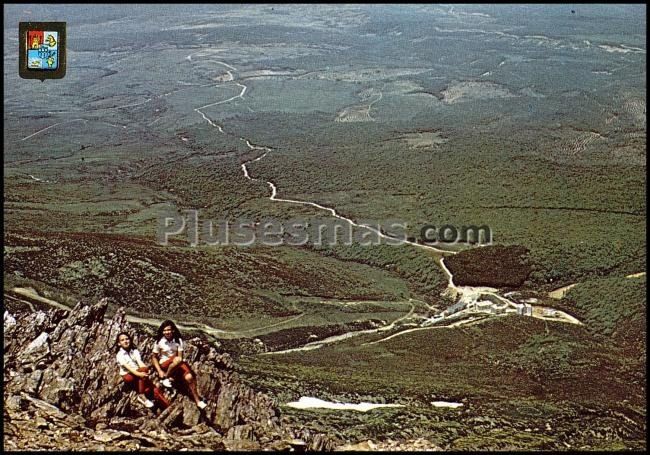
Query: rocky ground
<point x="62" y="391"/>
<point x="419" y="445"/>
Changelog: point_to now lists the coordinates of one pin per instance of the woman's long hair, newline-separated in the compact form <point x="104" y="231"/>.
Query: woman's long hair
<point x="176" y="336"/>
<point x="131" y="344"/>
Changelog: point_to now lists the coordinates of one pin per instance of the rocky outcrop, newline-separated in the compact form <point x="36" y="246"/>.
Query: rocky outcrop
<point x="62" y="389"/>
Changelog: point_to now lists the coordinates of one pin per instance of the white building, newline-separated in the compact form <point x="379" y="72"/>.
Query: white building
<point x="524" y="309"/>
<point x="482" y="306"/>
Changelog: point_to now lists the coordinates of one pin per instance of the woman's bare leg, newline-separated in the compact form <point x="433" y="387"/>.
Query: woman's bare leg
<point x="191" y="383"/>
<point x="172" y="366"/>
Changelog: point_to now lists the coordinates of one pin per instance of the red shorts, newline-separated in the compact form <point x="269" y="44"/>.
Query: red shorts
<point x="140" y="384"/>
<point x="180" y="371"/>
<point x="146" y="387"/>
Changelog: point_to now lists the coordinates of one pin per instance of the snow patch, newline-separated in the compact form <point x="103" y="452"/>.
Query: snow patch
<point x="310" y="403"/>
<point x="446" y="404"/>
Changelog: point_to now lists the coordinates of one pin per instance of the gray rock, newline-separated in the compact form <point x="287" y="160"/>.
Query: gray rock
<point x="15" y="403"/>
<point x="63" y="365"/>
<point x="240" y="432"/>
<point x="109" y="435"/>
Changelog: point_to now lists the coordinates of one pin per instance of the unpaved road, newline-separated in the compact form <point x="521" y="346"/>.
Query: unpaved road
<point x="31" y="293"/>
<point x="560" y="292"/>
<point x="464" y="292"/>
<point x="333" y="339"/>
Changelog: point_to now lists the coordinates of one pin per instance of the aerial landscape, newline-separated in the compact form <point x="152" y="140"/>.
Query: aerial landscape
<point x="485" y="164"/>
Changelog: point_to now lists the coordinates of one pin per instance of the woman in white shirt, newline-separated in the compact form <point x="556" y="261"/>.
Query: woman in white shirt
<point x="136" y="373"/>
<point x="167" y="358"/>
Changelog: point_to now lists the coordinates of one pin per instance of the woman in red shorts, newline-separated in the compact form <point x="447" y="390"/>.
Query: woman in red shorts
<point x="167" y="358"/>
<point x="136" y="373"/>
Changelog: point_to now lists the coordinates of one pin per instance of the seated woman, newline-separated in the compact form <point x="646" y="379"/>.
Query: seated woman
<point x="135" y="372"/>
<point x="167" y="358"/>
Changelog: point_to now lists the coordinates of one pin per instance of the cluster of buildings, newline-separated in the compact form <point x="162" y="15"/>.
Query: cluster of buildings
<point x="479" y="301"/>
<point x="473" y="306"/>
<point x="487" y="306"/>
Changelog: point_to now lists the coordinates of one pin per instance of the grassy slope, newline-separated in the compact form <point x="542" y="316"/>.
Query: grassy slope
<point x="209" y="283"/>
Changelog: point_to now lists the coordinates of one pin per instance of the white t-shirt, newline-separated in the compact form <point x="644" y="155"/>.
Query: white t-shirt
<point x="166" y="349"/>
<point x="131" y="358"/>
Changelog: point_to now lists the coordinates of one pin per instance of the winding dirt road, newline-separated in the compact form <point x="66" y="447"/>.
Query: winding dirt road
<point x="465" y="293"/>
<point x="273" y="187"/>
<point x="31" y="294"/>
<point x="336" y="338"/>
<point x="52" y="126"/>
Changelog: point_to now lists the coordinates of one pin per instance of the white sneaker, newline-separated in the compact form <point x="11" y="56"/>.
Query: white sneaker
<point x="202" y="404"/>
<point x="167" y="383"/>
<point x="148" y="403"/>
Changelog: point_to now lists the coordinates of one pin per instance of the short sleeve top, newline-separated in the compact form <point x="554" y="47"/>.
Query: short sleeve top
<point x="128" y="358"/>
<point x="166" y="348"/>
